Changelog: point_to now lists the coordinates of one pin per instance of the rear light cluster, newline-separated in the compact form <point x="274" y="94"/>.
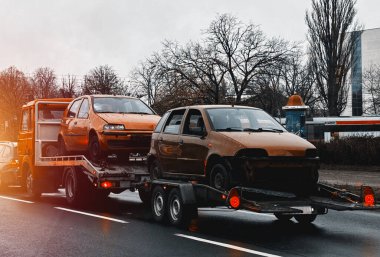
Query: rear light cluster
<point x="106" y="184"/>
<point x="368" y="196"/>
<point x="234" y="198"/>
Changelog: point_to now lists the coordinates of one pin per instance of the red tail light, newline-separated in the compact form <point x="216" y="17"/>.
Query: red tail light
<point x="368" y="196"/>
<point x="234" y="198"/>
<point x="106" y="184"/>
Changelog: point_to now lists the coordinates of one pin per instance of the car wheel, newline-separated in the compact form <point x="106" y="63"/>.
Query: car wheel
<point x="283" y="217"/>
<point x="158" y="204"/>
<point x="305" y="219"/>
<point x="219" y="178"/>
<point x="178" y="213"/>
<point x="30" y="184"/>
<point x="94" y="150"/>
<point x="155" y="170"/>
<point x="61" y="147"/>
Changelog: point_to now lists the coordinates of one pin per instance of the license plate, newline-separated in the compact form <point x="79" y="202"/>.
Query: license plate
<point x="125" y="183"/>
<point x="304" y="209"/>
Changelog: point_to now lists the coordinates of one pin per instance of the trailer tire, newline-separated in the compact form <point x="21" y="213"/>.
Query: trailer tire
<point x="155" y="170"/>
<point x="144" y="196"/>
<point x="219" y="178"/>
<point x="179" y="214"/>
<point x="283" y="217"/>
<point x="305" y="219"/>
<point x="31" y="187"/>
<point x="158" y="204"/>
<point x="75" y="187"/>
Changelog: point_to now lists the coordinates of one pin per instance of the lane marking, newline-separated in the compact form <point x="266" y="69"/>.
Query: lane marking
<point x="91" y="215"/>
<point x="234" y="247"/>
<point x="15" y="199"/>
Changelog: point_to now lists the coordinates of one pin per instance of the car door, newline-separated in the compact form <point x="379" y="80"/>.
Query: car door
<point x="69" y="126"/>
<point x="168" y="142"/>
<point x="193" y="148"/>
<point x="81" y="125"/>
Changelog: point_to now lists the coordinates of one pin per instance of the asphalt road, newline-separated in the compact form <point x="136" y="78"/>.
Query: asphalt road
<point x="122" y="226"/>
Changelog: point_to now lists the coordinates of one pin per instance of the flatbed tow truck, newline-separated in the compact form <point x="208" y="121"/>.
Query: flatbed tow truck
<point x="42" y="170"/>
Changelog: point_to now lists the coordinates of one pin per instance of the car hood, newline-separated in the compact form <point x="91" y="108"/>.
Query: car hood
<point x="276" y="144"/>
<point x="131" y="121"/>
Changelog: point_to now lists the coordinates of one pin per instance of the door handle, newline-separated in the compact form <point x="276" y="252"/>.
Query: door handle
<point x="180" y="142"/>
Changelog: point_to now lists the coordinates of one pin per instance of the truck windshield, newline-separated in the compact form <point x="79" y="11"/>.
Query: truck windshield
<point x="242" y="119"/>
<point x="120" y="105"/>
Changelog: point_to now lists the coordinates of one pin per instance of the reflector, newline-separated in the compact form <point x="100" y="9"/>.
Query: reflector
<point x="368" y="196"/>
<point x="234" y="198"/>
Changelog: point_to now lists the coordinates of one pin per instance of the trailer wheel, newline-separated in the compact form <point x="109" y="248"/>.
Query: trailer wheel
<point x="30" y="184"/>
<point x="305" y="219"/>
<point x="75" y="193"/>
<point x="283" y="217"/>
<point x="155" y="170"/>
<point x="158" y="204"/>
<point x="219" y="178"/>
<point x="144" y="196"/>
<point x="178" y="213"/>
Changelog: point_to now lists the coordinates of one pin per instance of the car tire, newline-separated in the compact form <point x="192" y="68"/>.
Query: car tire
<point x="158" y="204"/>
<point x="94" y="149"/>
<point x="155" y="170"/>
<point x="283" y="217"/>
<point x="305" y="219"/>
<point x="30" y="183"/>
<point x="179" y="214"/>
<point x="62" y="151"/>
<point x="219" y="178"/>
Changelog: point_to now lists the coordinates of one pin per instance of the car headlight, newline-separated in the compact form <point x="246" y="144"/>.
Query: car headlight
<point x="113" y="127"/>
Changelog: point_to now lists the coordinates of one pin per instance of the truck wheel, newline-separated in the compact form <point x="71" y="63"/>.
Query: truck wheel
<point x="305" y="219"/>
<point x="155" y="170"/>
<point x="283" y="217"/>
<point x="178" y="213"/>
<point x="219" y="178"/>
<point x="94" y="150"/>
<point x="75" y="193"/>
<point x="158" y="204"/>
<point x="30" y="184"/>
<point x="144" y="196"/>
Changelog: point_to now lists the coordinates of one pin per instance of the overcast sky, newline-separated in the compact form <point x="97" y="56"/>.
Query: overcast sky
<point x="74" y="36"/>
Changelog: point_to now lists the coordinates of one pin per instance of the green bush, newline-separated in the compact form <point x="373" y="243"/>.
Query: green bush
<point x="358" y="150"/>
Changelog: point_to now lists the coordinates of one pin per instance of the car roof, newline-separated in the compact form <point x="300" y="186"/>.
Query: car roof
<point x="117" y="96"/>
<point x="215" y="106"/>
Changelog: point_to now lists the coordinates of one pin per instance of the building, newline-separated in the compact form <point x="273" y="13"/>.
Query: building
<point x="367" y="53"/>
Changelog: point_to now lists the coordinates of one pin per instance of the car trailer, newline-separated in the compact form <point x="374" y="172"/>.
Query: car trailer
<point x="178" y="201"/>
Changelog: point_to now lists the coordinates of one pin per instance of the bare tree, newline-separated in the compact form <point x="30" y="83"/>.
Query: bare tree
<point x="15" y="91"/>
<point x="330" y="45"/>
<point x="44" y="83"/>
<point x="243" y="51"/>
<point x="102" y="80"/>
<point x="68" y="87"/>
<point x="371" y="84"/>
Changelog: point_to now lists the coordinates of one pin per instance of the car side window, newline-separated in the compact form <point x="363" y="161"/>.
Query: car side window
<point x="25" y="124"/>
<point x="84" y="108"/>
<point x="160" y="124"/>
<point x="173" y="123"/>
<point x="74" y="109"/>
<point x="194" y="124"/>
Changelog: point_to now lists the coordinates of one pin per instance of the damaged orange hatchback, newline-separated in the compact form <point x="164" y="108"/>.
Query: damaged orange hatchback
<point x="104" y="124"/>
<point x="226" y="146"/>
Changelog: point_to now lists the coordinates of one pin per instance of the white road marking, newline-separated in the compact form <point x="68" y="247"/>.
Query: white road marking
<point x="234" y="247"/>
<point x="15" y="199"/>
<point x="92" y="215"/>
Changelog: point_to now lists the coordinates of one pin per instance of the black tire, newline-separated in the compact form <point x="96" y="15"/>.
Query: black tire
<point x="144" y="196"/>
<point x="178" y="214"/>
<point x="62" y="147"/>
<point x="305" y="219"/>
<point x="94" y="150"/>
<point x="76" y="187"/>
<point x="30" y="183"/>
<point x="155" y="170"/>
<point x="283" y="217"/>
<point x="219" y="178"/>
<point x="158" y="204"/>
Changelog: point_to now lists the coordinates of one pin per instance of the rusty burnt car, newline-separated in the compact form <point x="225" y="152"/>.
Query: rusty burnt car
<point x="225" y="146"/>
<point x="100" y="125"/>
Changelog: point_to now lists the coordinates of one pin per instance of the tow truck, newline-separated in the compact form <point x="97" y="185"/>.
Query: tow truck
<point x="42" y="170"/>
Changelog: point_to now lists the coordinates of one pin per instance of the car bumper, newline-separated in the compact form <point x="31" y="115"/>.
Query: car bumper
<point x="129" y="141"/>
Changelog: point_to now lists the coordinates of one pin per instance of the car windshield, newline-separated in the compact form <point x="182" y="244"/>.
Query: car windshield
<point x="243" y="119"/>
<point x="120" y="105"/>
